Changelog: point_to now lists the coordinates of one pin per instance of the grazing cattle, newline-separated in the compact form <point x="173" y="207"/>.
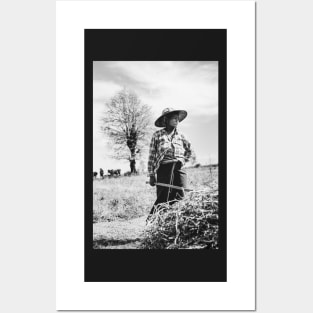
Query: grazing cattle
<point x="114" y="173"/>
<point x="95" y="175"/>
<point x="101" y="173"/>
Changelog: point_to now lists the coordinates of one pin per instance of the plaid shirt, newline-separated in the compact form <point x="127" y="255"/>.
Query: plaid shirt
<point x="161" y="144"/>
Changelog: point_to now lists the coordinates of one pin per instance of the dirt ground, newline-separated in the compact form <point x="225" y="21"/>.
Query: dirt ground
<point x="118" y="234"/>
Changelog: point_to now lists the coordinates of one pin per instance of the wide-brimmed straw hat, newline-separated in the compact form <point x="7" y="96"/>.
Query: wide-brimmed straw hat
<point x="160" y="122"/>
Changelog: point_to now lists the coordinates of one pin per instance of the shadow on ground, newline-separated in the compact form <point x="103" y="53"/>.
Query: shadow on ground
<point x="104" y="243"/>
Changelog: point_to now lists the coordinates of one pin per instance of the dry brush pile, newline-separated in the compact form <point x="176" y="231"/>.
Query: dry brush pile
<point x="191" y="223"/>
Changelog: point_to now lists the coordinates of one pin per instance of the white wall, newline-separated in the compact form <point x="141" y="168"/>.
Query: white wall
<point x="284" y="128"/>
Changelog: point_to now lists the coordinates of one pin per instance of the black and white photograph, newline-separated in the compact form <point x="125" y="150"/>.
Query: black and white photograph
<point x="155" y="155"/>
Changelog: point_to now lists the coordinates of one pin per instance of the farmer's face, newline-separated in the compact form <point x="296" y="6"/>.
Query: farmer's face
<point x="173" y="120"/>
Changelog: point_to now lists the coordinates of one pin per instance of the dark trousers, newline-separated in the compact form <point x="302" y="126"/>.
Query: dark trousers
<point x="179" y="178"/>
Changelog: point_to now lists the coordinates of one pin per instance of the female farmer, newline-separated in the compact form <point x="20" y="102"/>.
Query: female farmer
<point x="169" y="151"/>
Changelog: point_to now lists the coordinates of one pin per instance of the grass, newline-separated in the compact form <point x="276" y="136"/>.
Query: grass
<point x="121" y="198"/>
<point x="126" y="198"/>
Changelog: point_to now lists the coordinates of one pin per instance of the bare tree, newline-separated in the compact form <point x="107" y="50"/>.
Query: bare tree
<point x="127" y="122"/>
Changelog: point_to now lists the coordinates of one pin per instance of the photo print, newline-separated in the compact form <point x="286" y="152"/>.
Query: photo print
<point x="155" y="152"/>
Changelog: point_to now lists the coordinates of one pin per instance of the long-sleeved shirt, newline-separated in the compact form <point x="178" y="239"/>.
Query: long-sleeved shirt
<point x="162" y="145"/>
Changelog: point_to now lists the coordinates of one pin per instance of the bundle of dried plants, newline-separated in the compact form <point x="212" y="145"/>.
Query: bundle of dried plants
<point x="191" y="223"/>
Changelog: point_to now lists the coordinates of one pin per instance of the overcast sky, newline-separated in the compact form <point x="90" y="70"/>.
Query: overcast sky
<point x="187" y="85"/>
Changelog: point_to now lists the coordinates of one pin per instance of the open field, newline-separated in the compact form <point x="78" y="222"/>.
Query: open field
<point x="121" y="206"/>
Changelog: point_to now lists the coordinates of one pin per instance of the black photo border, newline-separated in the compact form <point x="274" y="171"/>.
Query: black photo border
<point x="155" y="265"/>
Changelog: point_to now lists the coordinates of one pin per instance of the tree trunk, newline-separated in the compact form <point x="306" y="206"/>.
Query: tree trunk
<point x="132" y="161"/>
<point x="133" y="166"/>
<point x="131" y="144"/>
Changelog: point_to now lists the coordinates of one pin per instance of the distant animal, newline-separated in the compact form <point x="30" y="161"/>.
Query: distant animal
<point x="127" y="174"/>
<point x="95" y="175"/>
<point x="114" y="173"/>
<point x="101" y="173"/>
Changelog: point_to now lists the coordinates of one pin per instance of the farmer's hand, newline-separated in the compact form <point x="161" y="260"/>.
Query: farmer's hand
<point x="152" y="181"/>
